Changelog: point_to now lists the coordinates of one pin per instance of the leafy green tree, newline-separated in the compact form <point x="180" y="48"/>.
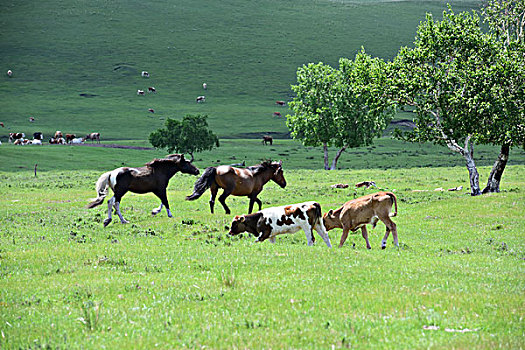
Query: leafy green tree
<point x="506" y="19"/>
<point x="189" y="135"/>
<point x="448" y="80"/>
<point x="340" y="107"/>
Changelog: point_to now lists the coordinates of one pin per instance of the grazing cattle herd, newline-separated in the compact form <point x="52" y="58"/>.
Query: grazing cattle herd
<point x="18" y="138"/>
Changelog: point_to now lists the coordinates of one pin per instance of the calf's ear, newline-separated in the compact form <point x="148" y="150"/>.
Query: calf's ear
<point x="331" y="212"/>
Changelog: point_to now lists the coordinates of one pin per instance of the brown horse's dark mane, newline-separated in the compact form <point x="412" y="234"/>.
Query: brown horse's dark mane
<point x="163" y="161"/>
<point x="259" y="168"/>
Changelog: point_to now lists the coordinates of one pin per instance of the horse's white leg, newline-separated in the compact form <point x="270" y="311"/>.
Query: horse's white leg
<point x="122" y="220"/>
<point x="110" y="207"/>
<point x="157" y="210"/>
<point x="169" y="212"/>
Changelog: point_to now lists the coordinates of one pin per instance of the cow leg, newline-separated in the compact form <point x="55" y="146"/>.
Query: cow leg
<point x="390" y="226"/>
<point x="344" y="236"/>
<point x="364" y="233"/>
<point x="383" y="242"/>
<point x="164" y="201"/>
<point x="213" y="190"/>
<point x="110" y="206"/>
<point x="309" y="235"/>
<point x="393" y="227"/>
<point x="264" y="235"/>
<point x="222" y="199"/>
<point x="324" y="235"/>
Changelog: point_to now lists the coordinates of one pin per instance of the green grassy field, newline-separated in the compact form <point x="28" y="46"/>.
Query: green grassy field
<point x="67" y="282"/>
<point x="457" y="280"/>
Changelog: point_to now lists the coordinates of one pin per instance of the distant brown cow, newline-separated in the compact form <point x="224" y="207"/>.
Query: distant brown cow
<point x="151" y="110"/>
<point x="152" y="89"/>
<point x="2" y="125"/>
<point x="364" y="210"/>
<point x="58" y="134"/>
<point x="276" y="114"/>
<point x="280" y="103"/>
<point x="70" y="137"/>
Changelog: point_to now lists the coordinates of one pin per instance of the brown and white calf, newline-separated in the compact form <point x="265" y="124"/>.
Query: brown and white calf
<point x="361" y="211"/>
<point x="13" y="136"/>
<point x="270" y="222"/>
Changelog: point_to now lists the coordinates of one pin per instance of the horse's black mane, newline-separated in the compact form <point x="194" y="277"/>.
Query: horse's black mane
<point x="168" y="160"/>
<point x="259" y="168"/>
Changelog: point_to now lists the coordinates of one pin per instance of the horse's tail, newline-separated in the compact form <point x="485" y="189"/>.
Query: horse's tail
<point x="102" y="190"/>
<point x="394" y="201"/>
<point x="203" y="183"/>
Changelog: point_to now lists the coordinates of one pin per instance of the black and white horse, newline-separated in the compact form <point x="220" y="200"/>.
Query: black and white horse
<point x="154" y="177"/>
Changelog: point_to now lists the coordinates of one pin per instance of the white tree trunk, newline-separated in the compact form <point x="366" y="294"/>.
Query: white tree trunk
<point x="471" y="165"/>
<point x="336" y="158"/>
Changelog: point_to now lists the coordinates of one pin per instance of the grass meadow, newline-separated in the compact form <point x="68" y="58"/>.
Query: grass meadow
<point x="455" y="282"/>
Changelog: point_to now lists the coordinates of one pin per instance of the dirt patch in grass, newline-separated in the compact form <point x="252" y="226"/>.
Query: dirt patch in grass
<point x="109" y="145"/>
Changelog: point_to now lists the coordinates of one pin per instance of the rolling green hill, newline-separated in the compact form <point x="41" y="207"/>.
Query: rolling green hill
<point x="247" y="53"/>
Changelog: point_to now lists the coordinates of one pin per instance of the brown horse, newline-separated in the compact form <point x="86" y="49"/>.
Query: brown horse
<point x="154" y="177"/>
<point x="247" y="182"/>
<point x="267" y="139"/>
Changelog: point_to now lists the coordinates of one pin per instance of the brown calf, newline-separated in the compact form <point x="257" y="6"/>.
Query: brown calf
<point x="361" y="211"/>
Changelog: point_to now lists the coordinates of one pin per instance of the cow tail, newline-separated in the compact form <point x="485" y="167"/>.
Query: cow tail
<point x="102" y="190"/>
<point x="394" y="201"/>
<point x="203" y="183"/>
<point x="318" y="215"/>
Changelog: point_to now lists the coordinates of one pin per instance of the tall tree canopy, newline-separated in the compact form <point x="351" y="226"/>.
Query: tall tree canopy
<point x="454" y="79"/>
<point x="189" y="135"/>
<point x="342" y="107"/>
<point x="506" y="19"/>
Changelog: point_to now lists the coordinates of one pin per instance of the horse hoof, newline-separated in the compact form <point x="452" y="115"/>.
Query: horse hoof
<point x="106" y="222"/>
<point x="154" y="212"/>
<point x="125" y="222"/>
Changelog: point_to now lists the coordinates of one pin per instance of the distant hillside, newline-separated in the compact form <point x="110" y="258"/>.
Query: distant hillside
<point x="77" y="64"/>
